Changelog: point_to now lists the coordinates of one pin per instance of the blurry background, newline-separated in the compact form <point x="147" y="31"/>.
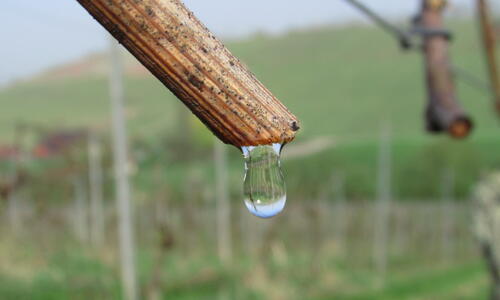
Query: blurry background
<point x="377" y="209"/>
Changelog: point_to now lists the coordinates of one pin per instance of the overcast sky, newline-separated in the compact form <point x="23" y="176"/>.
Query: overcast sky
<point x="38" y="34"/>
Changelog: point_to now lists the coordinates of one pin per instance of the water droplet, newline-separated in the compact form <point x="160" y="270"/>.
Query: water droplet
<point x="264" y="186"/>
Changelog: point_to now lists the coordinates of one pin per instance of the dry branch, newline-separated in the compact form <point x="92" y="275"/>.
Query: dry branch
<point x="189" y="60"/>
<point x="488" y="33"/>
<point x="443" y="110"/>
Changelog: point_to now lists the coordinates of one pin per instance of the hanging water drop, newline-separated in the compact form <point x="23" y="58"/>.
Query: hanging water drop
<point x="264" y="186"/>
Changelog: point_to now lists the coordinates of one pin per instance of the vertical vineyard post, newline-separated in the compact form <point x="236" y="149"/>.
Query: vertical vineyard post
<point x="222" y="203"/>
<point x="489" y="42"/>
<point x="80" y="221"/>
<point x="123" y="201"/>
<point x="382" y="207"/>
<point x="447" y="213"/>
<point x="96" y="190"/>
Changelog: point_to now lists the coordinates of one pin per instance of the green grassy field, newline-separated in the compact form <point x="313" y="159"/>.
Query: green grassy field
<point x="338" y="81"/>
<point x="290" y="257"/>
<point x="90" y="279"/>
<point x="341" y="82"/>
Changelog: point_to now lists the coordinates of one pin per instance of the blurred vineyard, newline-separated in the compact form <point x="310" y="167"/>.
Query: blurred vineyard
<point x="54" y="245"/>
<point x="320" y="248"/>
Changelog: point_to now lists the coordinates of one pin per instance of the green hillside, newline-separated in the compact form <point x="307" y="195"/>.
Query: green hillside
<point x="337" y="80"/>
<point x="341" y="82"/>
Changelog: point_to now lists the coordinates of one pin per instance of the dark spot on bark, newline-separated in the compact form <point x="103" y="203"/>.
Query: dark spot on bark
<point x="204" y="50"/>
<point x="198" y="67"/>
<point x="231" y="63"/>
<point x="196" y="82"/>
<point x="170" y="39"/>
<point x="143" y="26"/>
<point x="149" y="11"/>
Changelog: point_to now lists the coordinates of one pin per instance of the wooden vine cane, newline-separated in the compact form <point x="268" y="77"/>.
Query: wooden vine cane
<point x="489" y="41"/>
<point x="444" y="113"/>
<point x="189" y="60"/>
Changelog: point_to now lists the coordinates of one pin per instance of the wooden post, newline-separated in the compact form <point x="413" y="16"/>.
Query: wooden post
<point x="222" y="202"/>
<point x="123" y="201"/>
<point x="382" y="208"/>
<point x="339" y="210"/>
<point x="189" y="60"/>
<point x="400" y="230"/>
<point x="489" y="42"/>
<point x="80" y="210"/>
<point x="248" y="237"/>
<point x="96" y="190"/>
<point x="447" y="210"/>
<point x="13" y="212"/>
<point x="443" y="110"/>
<point x="16" y="181"/>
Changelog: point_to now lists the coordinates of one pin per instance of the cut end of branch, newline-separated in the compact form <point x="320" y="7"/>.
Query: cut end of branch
<point x="451" y="120"/>
<point x="461" y="127"/>
<point x="436" y="5"/>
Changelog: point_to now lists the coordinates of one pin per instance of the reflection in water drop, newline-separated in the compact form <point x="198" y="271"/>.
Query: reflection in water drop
<point x="264" y="186"/>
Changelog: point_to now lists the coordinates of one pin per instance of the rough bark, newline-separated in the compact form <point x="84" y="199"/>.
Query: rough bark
<point x="189" y="60"/>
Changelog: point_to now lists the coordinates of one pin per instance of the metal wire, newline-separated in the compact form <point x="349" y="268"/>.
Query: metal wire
<point x="471" y="80"/>
<point x="405" y="41"/>
<point x="402" y="36"/>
